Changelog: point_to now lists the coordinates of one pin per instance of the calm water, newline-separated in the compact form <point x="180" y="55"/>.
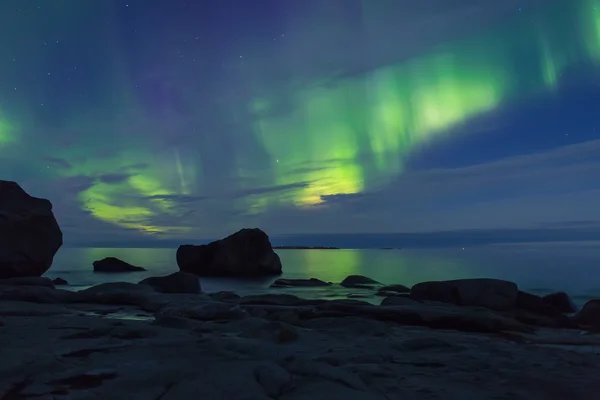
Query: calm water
<point x="574" y="268"/>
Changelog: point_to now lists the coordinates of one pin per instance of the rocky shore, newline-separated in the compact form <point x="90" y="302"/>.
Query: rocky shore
<point x="165" y="339"/>
<point x="130" y="339"/>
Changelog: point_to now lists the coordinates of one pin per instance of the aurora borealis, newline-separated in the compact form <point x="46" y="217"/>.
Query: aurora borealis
<point x="190" y="119"/>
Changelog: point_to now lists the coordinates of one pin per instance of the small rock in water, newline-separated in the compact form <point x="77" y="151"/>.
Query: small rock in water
<point x="561" y="302"/>
<point x="312" y="282"/>
<point x="113" y="264"/>
<point x="359" y="281"/>
<point x="59" y="282"/>
<point x="178" y="282"/>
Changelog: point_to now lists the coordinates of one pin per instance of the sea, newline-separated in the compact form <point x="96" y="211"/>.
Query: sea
<point x="536" y="268"/>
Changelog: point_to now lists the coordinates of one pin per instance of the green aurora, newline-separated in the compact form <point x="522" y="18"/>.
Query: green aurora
<point x="341" y="138"/>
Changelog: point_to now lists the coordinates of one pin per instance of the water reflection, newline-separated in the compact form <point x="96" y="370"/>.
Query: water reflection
<point x="535" y="268"/>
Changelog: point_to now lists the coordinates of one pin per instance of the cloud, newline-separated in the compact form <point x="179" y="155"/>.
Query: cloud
<point x="58" y="162"/>
<point x="270" y="189"/>
<point x="551" y="187"/>
<point x="114" y="178"/>
<point x="176" y="198"/>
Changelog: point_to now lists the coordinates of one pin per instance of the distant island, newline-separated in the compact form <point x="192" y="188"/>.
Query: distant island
<point x="306" y="248"/>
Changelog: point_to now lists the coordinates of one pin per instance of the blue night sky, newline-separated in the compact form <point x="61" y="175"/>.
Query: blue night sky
<point x="163" y="120"/>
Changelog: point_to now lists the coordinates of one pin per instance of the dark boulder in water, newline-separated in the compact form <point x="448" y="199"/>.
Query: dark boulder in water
<point x="561" y="302"/>
<point x="178" y="282"/>
<point x="113" y="264"/>
<point x="245" y="254"/>
<point x="29" y="233"/>
<point x="589" y="315"/>
<point x="359" y="281"/>
<point x="312" y="282"/>
<point x="495" y="294"/>
<point x="59" y="281"/>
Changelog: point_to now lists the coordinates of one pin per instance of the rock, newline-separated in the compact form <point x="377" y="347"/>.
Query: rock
<point x="312" y="282"/>
<point x="393" y="289"/>
<point x="29" y="233"/>
<point x="398" y="301"/>
<point x="244" y="254"/>
<point x="274" y="332"/>
<point x="535" y="304"/>
<point x="178" y="282"/>
<point x="28" y="281"/>
<point x="589" y="315"/>
<point x="359" y="281"/>
<point x="59" y="282"/>
<point x="118" y="287"/>
<point x="426" y="343"/>
<point x="273" y="378"/>
<point x="124" y="293"/>
<point x="561" y="302"/>
<point x="113" y="264"/>
<point x="224" y="296"/>
<point x="38" y="294"/>
<point x="490" y="293"/>
<point x="272" y="299"/>
<point x="207" y="311"/>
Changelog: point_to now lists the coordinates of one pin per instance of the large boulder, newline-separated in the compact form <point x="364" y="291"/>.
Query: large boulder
<point x="29" y="233"/>
<point x="245" y="254"/>
<point x="589" y="315"/>
<point x="495" y="294"/>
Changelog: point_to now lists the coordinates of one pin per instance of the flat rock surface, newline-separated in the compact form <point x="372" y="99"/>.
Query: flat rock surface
<point x="77" y="351"/>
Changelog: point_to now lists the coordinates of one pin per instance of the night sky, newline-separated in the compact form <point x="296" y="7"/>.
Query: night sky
<point x="177" y="119"/>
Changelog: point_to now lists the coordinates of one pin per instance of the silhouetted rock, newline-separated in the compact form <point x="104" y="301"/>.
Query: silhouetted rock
<point x="245" y="254"/>
<point x="312" y="282"/>
<point x="535" y="304"/>
<point x="29" y="233"/>
<point x="589" y="315"/>
<point x="178" y="282"/>
<point x="359" y="281"/>
<point x="28" y="281"/>
<point x="561" y="302"/>
<point x="59" y="282"/>
<point x="113" y="264"/>
<point x="490" y="293"/>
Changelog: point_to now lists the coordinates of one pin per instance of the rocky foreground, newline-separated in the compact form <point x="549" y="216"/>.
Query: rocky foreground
<point x="122" y="340"/>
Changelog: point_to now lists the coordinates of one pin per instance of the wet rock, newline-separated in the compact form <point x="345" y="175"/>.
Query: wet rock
<point x="113" y="264"/>
<point x="359" y="281"/>
<point x="245" y="254"/>
<point x="561" y="302"/>
<point x="312" y="282"/>
<point x="29" y="233"/>
<point x="178" y="282"/>
<point x="489" y="293"/>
